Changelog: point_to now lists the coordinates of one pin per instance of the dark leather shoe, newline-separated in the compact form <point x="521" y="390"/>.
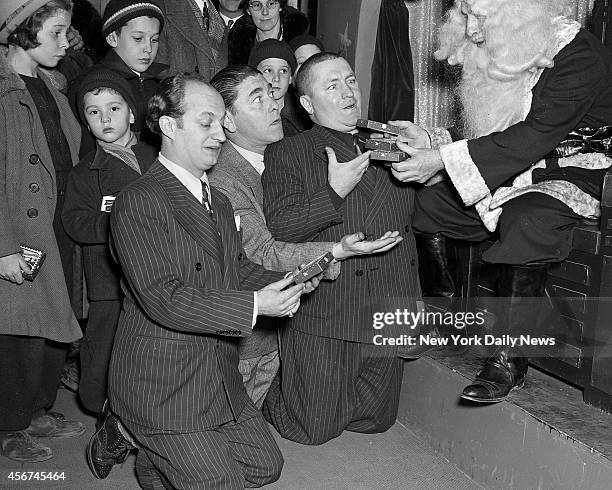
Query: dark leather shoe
<point x="54" y="424"/>
<point x="500" y="375"/>
<point x="20" y="446"/>
<point x="107" y="447"/>
<point x="411" y="352"/>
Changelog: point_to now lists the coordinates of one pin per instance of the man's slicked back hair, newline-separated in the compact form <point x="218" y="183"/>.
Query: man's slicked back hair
<point x="303" y="79"/>
<point x="227" y="80"/>
<point x="169" y="98"/>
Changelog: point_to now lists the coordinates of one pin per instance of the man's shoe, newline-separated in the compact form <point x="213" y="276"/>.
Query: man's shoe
<point x="20" y="446"/>
<point x="71" y="375"/>
<point x="54" y="424"/>
<point x="500" y="375"/>
<point x="107" y="447"/>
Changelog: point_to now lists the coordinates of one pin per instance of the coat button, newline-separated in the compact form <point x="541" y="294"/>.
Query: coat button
<point x="32" y="213"/>
<point x="240" y="256"/>
<point x="198" y="266"/>
<point x="34" y="159"/>
<point x="412" y="262"/>
<point x="407" y="228"/>
<point x="359" y="272"/>
<point x="34" y="187"/>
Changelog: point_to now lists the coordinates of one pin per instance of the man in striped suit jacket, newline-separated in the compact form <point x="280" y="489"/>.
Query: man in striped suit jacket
<point x="333" y="375"/>
<point x="189" y="297"/>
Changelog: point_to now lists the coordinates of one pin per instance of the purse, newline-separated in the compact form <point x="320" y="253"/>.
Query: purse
<point x="34" y="258"/>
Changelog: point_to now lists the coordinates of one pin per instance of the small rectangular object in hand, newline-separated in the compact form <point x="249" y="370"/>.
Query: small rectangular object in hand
<point x="388" y="156"/>
<point x="381" y="144"/>
<point x="34" y="259"/>
<point x="313" y="268"/>
<point x="378" y="127"/>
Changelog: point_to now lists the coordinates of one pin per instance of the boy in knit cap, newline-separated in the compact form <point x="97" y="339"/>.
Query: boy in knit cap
<point x="304" y="46"/>
<point x="131" y="28"/>
<point x="107" y="107"/>
<point x="276" y="61"/>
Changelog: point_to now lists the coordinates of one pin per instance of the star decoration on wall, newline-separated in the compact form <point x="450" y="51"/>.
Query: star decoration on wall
<point x="345" y="42"/>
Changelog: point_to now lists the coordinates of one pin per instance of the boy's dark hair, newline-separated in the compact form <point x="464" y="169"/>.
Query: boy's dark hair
<point x="168" y="99"/>
<point x="227" y="80"/>
<point x="25" y="34"/>
<point x="303" y="79"/>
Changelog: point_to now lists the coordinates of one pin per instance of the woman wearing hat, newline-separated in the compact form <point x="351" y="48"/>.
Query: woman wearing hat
<point x="39" y="140"/>
<point x="264" y="19"/>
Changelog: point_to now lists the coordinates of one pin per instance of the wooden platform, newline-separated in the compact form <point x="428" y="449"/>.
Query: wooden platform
<point x="544" y="436"/>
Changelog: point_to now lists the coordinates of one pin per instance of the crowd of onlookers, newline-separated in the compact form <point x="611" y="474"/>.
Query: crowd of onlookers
<point x="107" y="68"/>
<point x="187" y="171"/>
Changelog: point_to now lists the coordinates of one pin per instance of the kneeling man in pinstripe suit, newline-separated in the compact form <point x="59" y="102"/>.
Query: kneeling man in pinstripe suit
<point x="333" y="377"/>
<point x="189" y="296"/>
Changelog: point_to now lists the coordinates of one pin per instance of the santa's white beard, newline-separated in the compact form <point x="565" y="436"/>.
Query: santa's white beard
<point x="489" y="105"/>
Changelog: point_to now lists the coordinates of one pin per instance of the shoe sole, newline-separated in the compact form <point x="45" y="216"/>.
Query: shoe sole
<point x="493" y="400"/>
<point x="89" y="457"/>
<point x="33" y="460"/>
<point x="58" y="436"/>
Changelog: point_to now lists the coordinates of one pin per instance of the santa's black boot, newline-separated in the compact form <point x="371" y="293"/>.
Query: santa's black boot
<point x="437" y="285"/>
<point x="520" y="289"/>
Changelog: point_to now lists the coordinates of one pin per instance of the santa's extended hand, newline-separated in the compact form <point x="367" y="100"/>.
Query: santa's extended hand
<point x="412" y="134"/>
<point x="420" y="167"/>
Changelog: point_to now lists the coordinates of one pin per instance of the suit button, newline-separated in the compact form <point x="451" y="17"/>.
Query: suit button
<point x="240" y="256"/>
<point x="407" y="228"/>
<point x="34" y="159"/>
<point x="198" y="266"/>
<point x="412" y="262"/>
<point x="34" y="187"/>
<point x="359" y="272"/>
<point x="32" y="213"/>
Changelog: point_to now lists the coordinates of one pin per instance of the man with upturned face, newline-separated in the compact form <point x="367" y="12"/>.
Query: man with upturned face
<point x="527" y="164"/>
<point x="318" y="186"/>
<point x="252" y="122"/>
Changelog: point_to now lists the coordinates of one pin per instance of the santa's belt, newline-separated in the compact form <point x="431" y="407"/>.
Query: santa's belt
<point x="585" y="140"/>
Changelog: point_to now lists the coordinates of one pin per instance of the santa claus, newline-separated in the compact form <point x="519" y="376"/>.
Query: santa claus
<point x="524" y="166"/>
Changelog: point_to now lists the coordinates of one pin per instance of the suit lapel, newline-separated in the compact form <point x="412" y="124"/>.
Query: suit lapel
<point x="189" y="213"/>
<point x="379" y="196"/>
<point x="324" y="138"/>
<point x="235" y="163"/>
<point x="227" y="230"/>
<point x="189" y="27"/>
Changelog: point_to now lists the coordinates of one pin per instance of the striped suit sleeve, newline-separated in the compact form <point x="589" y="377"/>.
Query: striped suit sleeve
<point x="294" y="213"/>
<point x="259" y="244"/>
<point x="147" y="253"/>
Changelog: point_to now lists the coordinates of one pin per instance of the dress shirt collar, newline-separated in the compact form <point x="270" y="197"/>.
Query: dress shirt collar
<point x="200" y="3"/>
<point x="255" y="159"/>
<point x="190" y="181"/>
<point x="226" y="19"/>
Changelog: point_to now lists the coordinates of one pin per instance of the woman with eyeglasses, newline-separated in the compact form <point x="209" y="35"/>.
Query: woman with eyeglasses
<point x="264" y="19"/>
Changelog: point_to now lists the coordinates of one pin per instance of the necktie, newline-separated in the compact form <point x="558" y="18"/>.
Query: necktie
<point x="206" y="201"/>
<point x="230" y="24"/>
<point x="206" y="16"/>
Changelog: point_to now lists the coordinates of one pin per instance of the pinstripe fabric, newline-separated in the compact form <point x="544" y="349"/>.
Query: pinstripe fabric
<point x="332" y="378"/>
<point x="329" y="385"/>
<point x="298" y="207"/>
<point x="232" y="456"/>
<point x="174" y="362"/>
<point x="239" y="181"/>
